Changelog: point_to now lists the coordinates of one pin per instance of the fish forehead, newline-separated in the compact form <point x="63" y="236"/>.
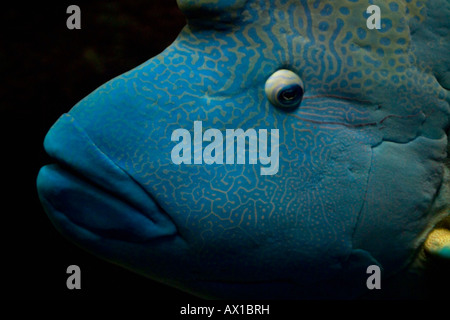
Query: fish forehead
<point x="326" y="42"/>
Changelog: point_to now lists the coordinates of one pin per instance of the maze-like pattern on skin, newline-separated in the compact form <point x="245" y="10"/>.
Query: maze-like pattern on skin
<point x="361" y="156"/>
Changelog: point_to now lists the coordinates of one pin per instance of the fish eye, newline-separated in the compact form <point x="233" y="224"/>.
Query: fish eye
<point x="284" y="89"/>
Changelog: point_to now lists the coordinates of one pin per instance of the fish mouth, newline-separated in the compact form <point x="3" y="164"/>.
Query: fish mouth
<point x="86" y="195"/>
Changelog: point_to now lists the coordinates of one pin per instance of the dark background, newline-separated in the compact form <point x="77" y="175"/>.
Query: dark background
<point x="45" y="69"/>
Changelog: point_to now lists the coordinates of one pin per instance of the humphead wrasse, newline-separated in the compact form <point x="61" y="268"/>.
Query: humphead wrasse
<point x="343" y="162"/>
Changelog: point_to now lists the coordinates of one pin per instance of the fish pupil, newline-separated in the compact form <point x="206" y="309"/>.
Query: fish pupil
<point x="291" y="95"/>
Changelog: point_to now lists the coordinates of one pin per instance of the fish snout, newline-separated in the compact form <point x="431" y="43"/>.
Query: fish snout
<point x="87" y="195"/>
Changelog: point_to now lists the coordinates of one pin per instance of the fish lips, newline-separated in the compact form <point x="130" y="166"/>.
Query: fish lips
<point x="86" y="195"/>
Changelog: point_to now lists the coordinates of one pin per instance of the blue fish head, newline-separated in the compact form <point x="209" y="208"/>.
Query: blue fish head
<point x="341" y="164"/>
